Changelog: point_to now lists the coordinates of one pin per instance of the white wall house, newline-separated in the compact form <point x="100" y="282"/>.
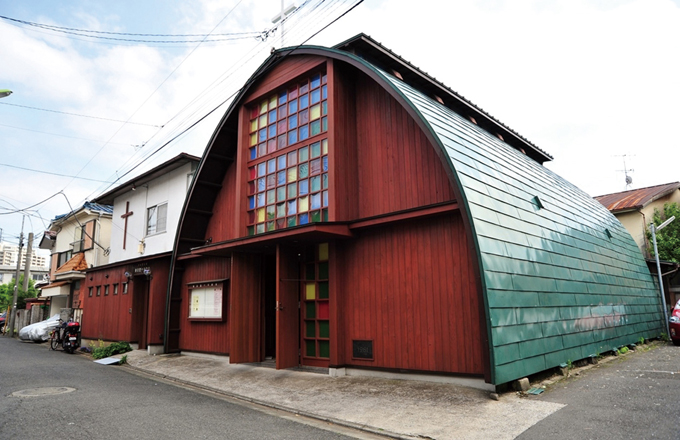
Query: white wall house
<point x="146" y="209"/>
<point x="77" y="240"/>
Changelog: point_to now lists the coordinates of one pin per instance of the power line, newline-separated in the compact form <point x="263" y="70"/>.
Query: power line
<point x="32" y="206"/>
<point x="51" y="173"/>
<point x="61" y="135"/>
<point x="79" y="115"/>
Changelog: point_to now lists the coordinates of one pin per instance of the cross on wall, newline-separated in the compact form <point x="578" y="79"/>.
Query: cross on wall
<point x="125" y="216"/>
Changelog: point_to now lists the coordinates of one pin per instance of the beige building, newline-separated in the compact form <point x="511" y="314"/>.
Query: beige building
<point x="9" y="252"/>
<point x="635" y="210"/>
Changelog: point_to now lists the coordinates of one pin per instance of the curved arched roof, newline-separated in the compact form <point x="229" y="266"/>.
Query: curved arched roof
<point x="561" y="278"/>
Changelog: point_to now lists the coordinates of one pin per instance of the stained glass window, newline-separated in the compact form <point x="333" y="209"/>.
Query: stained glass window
<point x="317" y="303"/>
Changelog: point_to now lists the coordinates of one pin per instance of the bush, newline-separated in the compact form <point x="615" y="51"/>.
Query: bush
<point x="115" y="348"/>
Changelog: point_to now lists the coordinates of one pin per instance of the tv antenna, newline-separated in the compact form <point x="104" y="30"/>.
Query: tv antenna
<point x="626" y="171"/>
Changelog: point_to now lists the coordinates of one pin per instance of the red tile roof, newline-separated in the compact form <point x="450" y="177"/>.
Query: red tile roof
<point x="77" y="263"/>
<point x="636" y="198"/>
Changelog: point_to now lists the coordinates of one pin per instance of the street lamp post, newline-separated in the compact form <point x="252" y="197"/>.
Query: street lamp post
<point x="658" y="268"/>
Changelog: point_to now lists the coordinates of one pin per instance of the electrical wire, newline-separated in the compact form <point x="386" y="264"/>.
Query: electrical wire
<point x="77" y="114"/>
<point x="61" y="135"/>
<point x="51" y="173"/>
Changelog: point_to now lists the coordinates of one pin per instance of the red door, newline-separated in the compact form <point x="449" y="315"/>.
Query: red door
<point x="287" y="312"/>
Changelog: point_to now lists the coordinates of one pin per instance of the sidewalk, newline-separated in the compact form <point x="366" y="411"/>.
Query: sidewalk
<point x="397" y="408"/>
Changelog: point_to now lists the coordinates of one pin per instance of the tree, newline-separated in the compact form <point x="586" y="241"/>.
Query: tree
<point x="668" y="239"/>
<point x="7" y="293"/>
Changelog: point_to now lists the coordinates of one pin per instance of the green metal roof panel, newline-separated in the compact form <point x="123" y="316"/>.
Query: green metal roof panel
<point x="556" y="286"/>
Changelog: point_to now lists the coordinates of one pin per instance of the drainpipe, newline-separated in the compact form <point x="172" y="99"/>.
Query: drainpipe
<point x="644" y="235"/>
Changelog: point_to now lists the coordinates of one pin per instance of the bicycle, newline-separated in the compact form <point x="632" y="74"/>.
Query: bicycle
<point x="55" y="337"/>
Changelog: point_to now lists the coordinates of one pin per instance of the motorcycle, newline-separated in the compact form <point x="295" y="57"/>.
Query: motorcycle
<point x="70" y="341"/>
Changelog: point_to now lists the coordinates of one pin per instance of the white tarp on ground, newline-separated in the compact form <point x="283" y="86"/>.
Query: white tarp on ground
<point x="40" y="331"/>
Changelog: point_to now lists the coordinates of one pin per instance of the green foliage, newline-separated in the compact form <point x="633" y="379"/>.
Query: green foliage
<point x="7" y="293"/>
<point x="667" y="239"/>
<point x="123" y="360"/>
<point x="623" y="350"/>
<point x="115" y="348"/>
<point x="641" y="341"/>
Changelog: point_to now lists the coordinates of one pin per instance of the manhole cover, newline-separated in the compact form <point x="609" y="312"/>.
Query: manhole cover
<point x="46" y="391"/>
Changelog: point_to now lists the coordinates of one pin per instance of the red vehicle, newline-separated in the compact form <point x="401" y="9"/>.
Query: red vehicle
<point x="674" y="324"/>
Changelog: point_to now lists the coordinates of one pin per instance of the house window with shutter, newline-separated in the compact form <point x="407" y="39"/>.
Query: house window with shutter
<point x="156" y="219"/>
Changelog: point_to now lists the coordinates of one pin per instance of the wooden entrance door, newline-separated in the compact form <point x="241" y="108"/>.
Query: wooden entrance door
<point x="140" y="311"/>
<point x="287" y="309"/>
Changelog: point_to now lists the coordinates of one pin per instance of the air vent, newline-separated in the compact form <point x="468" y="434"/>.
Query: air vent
<point x="362" y="349"/>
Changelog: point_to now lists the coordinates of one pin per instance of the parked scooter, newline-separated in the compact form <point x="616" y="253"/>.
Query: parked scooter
<point x="70" y="340"/>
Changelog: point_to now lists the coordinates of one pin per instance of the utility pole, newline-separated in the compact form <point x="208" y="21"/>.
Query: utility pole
<point x="27" y="264"/>
<point x="13" y="312"/>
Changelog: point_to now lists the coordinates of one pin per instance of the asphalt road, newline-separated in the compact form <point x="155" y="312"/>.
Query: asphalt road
<point x="111" y="403"/>
<point x="636" y="396"/>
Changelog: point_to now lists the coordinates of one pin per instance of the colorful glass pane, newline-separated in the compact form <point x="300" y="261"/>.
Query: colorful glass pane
<point x="292" y="158"/>
<point x="304" y="219"/>
<point x="292" y="137"/>
<point x="253" y="139"/>
<point x="261" y="184"/>
<point x="281" y="126"/>
<point x="260" y="215"/>
<point x="281" y="178"/>
<point x="251" y="187"/>
<point x="283" y="111"/>
<point x="310" y="310"/>
<point x="271" y="226"/>
<point x="271" y="181"/>
<point x="253" y="125"/>
<point x="324" y="349"/>
<point x="324" y="166"/>
<point x="291" y="221"/>
<point x="304" y="132"/>
<point x="271" y="196"/>
<point x="272" y="102"/>
<point x="315" y="112"/>
<point x="251" y="216"/>
<point x="271" y="165"/>
<point x="251" y="202"/>
<point x="310" y="329"/>
<point x="324" y="78"/>
<point x="324" y="329"/>
<point x="316" y="204"/>
<point x="271" y="145"/>
<point x="262" y="135"/>
<point x="292" y="192"/>
<point x="261" y="169"/>
<point x="324" y="108"/>
<point x="310" y="348"/>
<point x="303" y="88"/>
<point x="253" y="153"/>
<point x="315" y="81"/>
<point x="281" y="223"/>
<point x="262" y="149"/>
<point x="259" y="228"/>
<point x="292" y="121"/>
<point x="310" y="271"/>
<point x="303" y="101"/>
<point x="304" y="117"/>
<point x="325" y="200"/>
<point x="263" y="107"/>
<point x="292" y="107"/>
<point x="260" y="200"/>
<point x="323" y="270"/>
<point x="315" y="149"/>
<point x="316" y="216"/>
<point x="281" y="194"/>
<point x="315" y="96"/>
<point x="252" y="173"/>
<point x="324" y="146"/>
<point x="310" y="291"/>
<point x="272" y="116"/>
<point x="292" y="174"/>
<point x="323" y="251"/>
<point x="315" y="166"/>
<point x="292" y="93"/>
<point x="251" y="230"/>
<point x="324" y="123"/>
<point x="314" y="128"/>
<point x="303" y="204"/>
<point x="254" y="112"/>
<point x="271" y="212"/>
<point x="262" y="121"/>
<point x="282" y="97"/>
<point x="324" y="214"/>
<point x="292" y="207"/>
<point x="323" y="310"/>
<point x="272" y="131"/>
<point x="303" y="170"/>
<point x="281" y="162"/>
<point x="324" y="92"/>
<point x="282" y="142"/>
<point x="303" y="187"/>
<point x="304" y="154"/>
<point x="281" y="210"/>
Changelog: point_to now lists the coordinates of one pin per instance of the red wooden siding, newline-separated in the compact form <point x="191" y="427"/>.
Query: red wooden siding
<point x="108" y="317"/>
<point x="205" y="336"/>
<point x="292" y="68"/>
<point x="222" y="225"/>
<point x="245" y="308"/>
<point x="410" y="289"/>
<point x="396" y="168"/>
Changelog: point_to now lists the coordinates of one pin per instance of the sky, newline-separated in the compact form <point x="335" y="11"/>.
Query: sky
<point x="594" y="83"/>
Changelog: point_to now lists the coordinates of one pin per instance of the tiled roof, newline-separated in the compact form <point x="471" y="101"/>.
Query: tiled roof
<point x="96" y="207"/>
<point x="75" y="264"/>
<point x="636" y="198"/>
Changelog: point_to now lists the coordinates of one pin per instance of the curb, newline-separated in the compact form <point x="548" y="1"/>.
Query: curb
<point x="339" y="422"/>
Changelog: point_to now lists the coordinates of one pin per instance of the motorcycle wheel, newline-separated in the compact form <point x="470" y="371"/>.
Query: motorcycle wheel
<point x="54" y="343"/>
<point x="68" y="350"/>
